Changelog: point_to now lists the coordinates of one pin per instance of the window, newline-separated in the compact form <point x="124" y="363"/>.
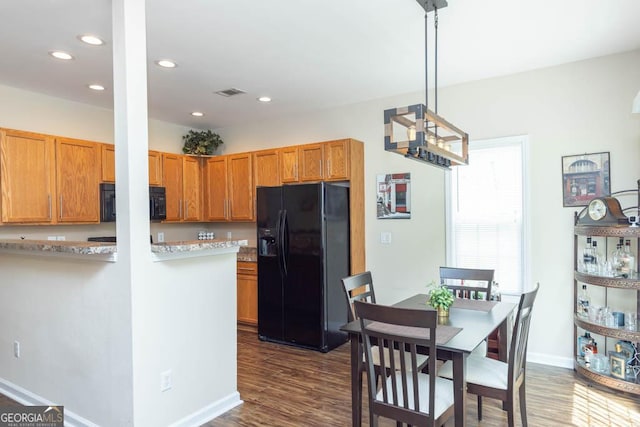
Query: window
<point x="486" y="215"/>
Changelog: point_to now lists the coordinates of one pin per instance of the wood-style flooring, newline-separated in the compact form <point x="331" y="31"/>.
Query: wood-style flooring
<point x="288" y="387"/>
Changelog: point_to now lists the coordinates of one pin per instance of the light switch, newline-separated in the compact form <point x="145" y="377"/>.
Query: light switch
<point x="385" y="238"/>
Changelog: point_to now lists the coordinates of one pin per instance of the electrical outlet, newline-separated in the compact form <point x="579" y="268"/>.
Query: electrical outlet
<point x="228" y="234"/>
<point x="61" y="238"/>
<point x="160" y="237"/>
<point x="166" y="382"/>
<point x="52" y="238"/>
<point x="16" y="349"/>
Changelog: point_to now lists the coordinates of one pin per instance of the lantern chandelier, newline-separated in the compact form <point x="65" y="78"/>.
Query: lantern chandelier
<point x="418" y="133"/>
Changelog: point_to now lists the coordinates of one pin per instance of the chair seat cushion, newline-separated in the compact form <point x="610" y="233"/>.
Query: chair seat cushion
<point x="443" y="390"/>
<point x="421" y="359"/>
<point x="482" y="371"/>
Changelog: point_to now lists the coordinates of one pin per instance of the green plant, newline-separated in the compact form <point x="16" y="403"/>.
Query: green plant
<point x="440" y="296"/>
<point x="202" y="142"/>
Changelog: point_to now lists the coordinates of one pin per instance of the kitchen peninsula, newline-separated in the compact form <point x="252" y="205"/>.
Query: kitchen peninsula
<point x="181" y="307"/>
<point x="97" y="251"/>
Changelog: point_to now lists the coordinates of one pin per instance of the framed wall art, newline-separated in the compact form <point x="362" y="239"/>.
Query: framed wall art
<point x="393" y="196"/>
<point x="585" y="177"/>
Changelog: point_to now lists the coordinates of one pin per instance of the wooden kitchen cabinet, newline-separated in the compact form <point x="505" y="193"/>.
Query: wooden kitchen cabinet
<point x="108" y="163"/>
<point x="247" y="288"/>
<point x="337" y="160"/>
<point x="288" y="158"/>
<point x="311" y="162"/>
<point x="191" y="189"/>
<point x="172" y="180"/>
<point x="241" y="187"/>
<point x="215" y="189"/>
<point x="181" y="176"/>
<point x="27" y="177"/>
<point x="155" y="168"/>
<point x="229" y="188"/>
<point x="77" y="180"/>
<point x="266" y="168"/>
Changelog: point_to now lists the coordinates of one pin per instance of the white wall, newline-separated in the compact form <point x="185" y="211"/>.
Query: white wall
<point x="569" y="109"/>
<point x="95" y="338"/>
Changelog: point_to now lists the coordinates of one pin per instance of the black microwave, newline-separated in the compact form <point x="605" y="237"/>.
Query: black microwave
<point x="157" y="203"/>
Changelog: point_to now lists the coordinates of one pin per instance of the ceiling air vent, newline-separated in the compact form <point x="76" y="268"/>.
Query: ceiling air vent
<point x="230" y="92"/>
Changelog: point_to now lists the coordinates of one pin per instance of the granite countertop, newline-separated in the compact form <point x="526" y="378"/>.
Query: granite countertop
<point x="248" y="254"/>
<point x="100" y="251"/>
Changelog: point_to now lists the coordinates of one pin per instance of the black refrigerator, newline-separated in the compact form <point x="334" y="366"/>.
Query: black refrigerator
<point x="303" y="252"/>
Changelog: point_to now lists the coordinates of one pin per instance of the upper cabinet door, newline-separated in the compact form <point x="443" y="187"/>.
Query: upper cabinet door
<point x="108" y="172"/>
<point x="27" y="177"/>
<point x="78" y="178"/>
<point x="288" y="164"/>
<point x="192" y="189"/>
<point x="336" y="154"/>
<point x="215" y="184"/>
<point x="311" y="158"/>
<point x="266" y="168"/>
<point x="240" y="187"/>
<point x="155" y="168"/>
<point x="172" y="179"/>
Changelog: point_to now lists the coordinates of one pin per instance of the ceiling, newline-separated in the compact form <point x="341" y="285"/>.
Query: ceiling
<point x="305" y="54"/>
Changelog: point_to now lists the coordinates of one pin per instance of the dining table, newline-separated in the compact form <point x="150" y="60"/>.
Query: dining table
<point x="469" y="323"/>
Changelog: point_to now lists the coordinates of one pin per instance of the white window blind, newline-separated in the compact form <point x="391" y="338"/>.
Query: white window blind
<point x="485" y="220"/>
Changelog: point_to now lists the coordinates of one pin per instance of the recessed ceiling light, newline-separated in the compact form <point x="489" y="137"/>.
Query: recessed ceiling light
<point x="166" y="63"/>
<point x="264" y="99"/>
<point x="58" y="54"/>
<point x="92" y="40"/>
<point x="197" y="114"/>
<point x="96" y="87"/>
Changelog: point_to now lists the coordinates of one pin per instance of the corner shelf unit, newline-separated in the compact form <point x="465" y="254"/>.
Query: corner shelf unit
<point x="631" y="284"/>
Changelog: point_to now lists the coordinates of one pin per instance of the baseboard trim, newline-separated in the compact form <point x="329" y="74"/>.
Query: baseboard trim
<point x="28" y="398"/>
<point x="209" y="412"/>
<point x="546" y="359"/>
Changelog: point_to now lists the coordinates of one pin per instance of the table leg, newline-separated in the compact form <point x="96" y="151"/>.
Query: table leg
<point x="459" y="388"/>
<point x="503" y="337"/>
<point x="356" y="381"/>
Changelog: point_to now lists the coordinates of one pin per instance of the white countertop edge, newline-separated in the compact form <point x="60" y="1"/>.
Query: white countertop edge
<point x="168" y="256"/>
<point x="109" y="257"/>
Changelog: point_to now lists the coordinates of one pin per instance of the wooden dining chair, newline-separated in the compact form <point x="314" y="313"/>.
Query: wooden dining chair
<point x="359" y="287"/>
<point x="479" y="288"/>
<point x="453" y="278"/>
<point x="406" y="395"/>
<point x="499" y="380"/>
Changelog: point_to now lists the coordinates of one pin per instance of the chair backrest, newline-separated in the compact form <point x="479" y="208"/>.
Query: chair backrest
<point x="520" y="337"/>
<point x="398" y="328"/>
<point x="358" y="287"/>
<point x="472" y="291"/>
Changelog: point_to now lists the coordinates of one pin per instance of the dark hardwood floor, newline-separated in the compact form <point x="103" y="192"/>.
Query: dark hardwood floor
<point x="285" y="386"/>
<point x="288" y="387"/>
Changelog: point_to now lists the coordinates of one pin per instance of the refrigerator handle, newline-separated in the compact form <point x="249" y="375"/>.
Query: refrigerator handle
<point x="285" y="242"/>
<point x="279" y="241"/>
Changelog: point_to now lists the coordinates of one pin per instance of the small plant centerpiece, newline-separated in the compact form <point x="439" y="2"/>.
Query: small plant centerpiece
<point x="201" y="143"/>
<point x="440" y="298"/>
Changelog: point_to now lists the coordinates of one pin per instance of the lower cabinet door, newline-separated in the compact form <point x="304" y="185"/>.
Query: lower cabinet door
<point x="248" y="293"/>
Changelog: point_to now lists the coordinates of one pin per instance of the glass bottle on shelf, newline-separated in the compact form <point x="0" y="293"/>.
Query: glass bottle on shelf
<point x="582" y="343"/>
<point x="587" y="256"/>
<point x="583" y="302"/>
<point x="595" y="263"/>
<point x="626" y="260"/>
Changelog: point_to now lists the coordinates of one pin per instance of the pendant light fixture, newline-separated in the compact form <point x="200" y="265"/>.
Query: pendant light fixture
<point x="415" y="131"/>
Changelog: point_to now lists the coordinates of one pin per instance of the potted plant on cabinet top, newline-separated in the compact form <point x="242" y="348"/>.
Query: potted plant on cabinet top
<point x="201" y="143"/>
<point x="441" y="298"/>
